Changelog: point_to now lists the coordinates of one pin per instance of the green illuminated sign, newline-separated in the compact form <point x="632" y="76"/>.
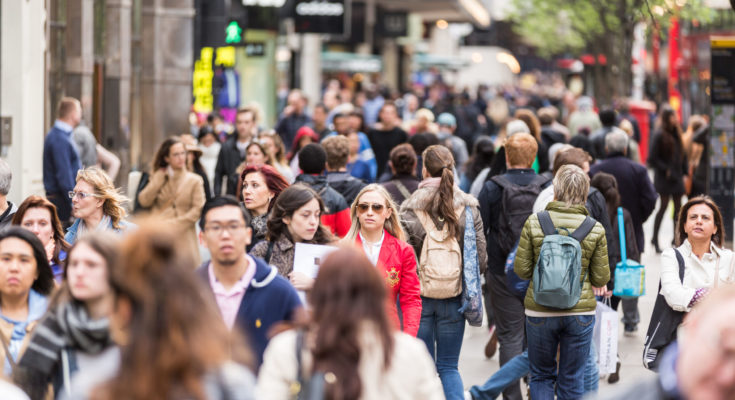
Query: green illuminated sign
<point x="233" y="33"/>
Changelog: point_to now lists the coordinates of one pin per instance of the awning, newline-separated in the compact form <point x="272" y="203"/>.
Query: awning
<point x="351" y="62"/>
<point x="439" y="61"/>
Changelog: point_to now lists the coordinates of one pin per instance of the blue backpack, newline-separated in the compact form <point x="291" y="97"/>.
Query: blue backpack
<point x="557" y="276"/>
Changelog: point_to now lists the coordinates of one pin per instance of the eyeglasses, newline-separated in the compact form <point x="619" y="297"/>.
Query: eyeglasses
<point x="219" y="229"/>
<point x="363" y="207"/>
<point x="81" y="195"/>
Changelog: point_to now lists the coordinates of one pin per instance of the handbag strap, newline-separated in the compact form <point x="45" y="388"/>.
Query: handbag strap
<point x="7" y="351"/>
<point x="269" y="253"/>
<point x="680" y="260"/>
<point x="402" y="188"/>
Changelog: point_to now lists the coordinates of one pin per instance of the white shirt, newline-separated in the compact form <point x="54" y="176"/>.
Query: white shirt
<point x="372" y="250"/>
<point x="697" y="273"/>
<point x="544" y="198"/>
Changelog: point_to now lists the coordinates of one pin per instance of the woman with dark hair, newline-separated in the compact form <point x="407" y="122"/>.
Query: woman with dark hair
<point x="25" y="282"/>
<point x="210" y="146"/>
<point x="175" y="194"/>
<point x="669" y="163"/>
<point x="194" y="164"/>
<point x="74" y="336"/>
<point x="295" y="218"/>
<point x="402" y="163"/>
<point x="376" y="228"/>
<point x="258" y="189"/>
<point x="438" y="208"/>
<point x="38" y="215"/>
<point x="700" y="236"/>
<point x="350" y="342"/>
<point x="173" y="343"/>
<point x="479" y="163"/>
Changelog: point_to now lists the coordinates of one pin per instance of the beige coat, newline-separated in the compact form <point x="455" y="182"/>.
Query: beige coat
<point x="411" y="374"/>
<point x="179" y="199"/>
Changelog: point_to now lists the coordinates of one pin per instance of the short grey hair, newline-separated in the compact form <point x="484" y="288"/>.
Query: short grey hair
<point x="6" y="175"/>
<point x="571" y="185"/>
<point x="616" y="141"/>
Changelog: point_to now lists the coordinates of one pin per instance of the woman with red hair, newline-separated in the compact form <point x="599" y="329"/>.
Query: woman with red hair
<point x="257" y="189"/>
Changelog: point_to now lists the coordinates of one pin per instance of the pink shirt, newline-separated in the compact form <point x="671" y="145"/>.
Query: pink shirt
<point x="229" y="301"/>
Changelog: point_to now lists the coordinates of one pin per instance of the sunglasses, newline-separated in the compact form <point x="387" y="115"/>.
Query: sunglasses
<point x="363" y="207"/>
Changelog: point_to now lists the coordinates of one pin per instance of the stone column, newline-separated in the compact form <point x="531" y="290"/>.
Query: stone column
<point x="311" y="68"/>
<point x="115" y="132"/>
<point x="167" y="63"/>
<point x="79" y="54"/>
<point x="22" y="82"/>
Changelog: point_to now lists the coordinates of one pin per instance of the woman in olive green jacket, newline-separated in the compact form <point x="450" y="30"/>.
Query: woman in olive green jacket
<point x="570" y="329"/>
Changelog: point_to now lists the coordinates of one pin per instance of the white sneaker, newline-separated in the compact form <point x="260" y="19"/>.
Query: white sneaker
<point x="467" y="395"/>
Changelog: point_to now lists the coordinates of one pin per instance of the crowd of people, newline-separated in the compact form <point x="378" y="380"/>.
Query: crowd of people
<point x="188" y="290"/>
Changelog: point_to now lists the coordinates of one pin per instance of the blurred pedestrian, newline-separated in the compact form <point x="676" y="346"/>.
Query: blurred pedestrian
<point x="402" y="165"/>
<point x="305" y="135"/>
<point x="175" y="194"/>
<point x="669" y="163"/>
<point x="159" y="311"/>
<point x="61" y="159"/>
<point x="312" y="161"/>
<point x="458" y="147"/>
<point x="294" y="219"/>
<point x="386" y="135"/>
<point x="356" y="166"/>
<point x="583" y="118"/>
<point x="634" y="152"/>
<point x="25" y="282"/>
<point x="233" y="151"/>
<point x="194" y="164"/>
<point x="376" y="229"/>
<point x="350" y="344"/>
<point x="97" y="205"/>
<point x="39" y="216"/>
<point x="250" y="295"/>
<point x="342" y="126"/>
<point x="541" y="164"/>
<point x="570" y="330"/>
<point x="293" y="117"/>
<point x="338" y="153"/>
<point x="608" y="116"/>
<point x="273" y="145"/>
<point x="258" y="190"/>
<point x="73" y="339"/>
<point x="320" y="121"/>
<point x="7" y="208"/>
<point x="437" y="211"/>
<point x="482" y="157"/>
<point x="423" y="122"/>
<point x="699" y="144"/>
<point x="210" y="146"/>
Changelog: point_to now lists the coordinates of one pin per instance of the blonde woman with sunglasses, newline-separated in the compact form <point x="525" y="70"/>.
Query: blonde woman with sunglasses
<point x="376" y="229"/>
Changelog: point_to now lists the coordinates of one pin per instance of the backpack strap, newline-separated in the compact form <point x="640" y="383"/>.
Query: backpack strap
<point x="269" y="253"/>
<point x="680" y="260"/>
<point x="547" y="225"/>
<point x="584" y="229"/>
<point x="538" y="180"/>
<point x="402" y="188"/>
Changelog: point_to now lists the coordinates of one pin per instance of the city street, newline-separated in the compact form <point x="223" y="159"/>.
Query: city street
<point x="475" y="368"/>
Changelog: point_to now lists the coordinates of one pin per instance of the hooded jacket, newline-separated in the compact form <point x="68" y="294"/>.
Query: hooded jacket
<point x="268" y="300"/>
<point x="594" y="254"/>
<point x="7" y="216"/>
<point x="337" y="217"/>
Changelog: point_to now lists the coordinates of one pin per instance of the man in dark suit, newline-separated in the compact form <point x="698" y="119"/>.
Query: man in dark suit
<point x="61" y="159"/>
<point x="637" y="195"/>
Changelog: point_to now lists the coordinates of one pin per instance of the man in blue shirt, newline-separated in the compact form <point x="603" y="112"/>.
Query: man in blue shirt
<point x="61" y="159"/>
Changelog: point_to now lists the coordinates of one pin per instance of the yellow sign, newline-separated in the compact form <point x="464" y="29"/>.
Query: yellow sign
<point x="225" y="57"/>
<point x="202" y="82"/>
<point x="722" y="42"/>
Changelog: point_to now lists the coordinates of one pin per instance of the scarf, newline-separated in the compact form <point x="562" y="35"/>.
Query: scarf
<point x="260" y="225"/>
<point x="70" y="326"/>
<point x="430" y="182"/>
<point x="105" y="222"/>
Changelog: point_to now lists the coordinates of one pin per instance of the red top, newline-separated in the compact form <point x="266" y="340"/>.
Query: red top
<point x="397" y="262"/>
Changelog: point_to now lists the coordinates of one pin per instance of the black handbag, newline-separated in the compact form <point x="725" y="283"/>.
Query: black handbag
<point x="664" y="323"/>
<point x="307" y="388"/>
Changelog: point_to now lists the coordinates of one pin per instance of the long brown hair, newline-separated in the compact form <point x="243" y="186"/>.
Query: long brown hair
<point x="286" y="204"/>
<point x="718" y="238"/>
<point x="159" y="161"/>
<point x="348" y="293"/>
<point x="175" y="335"/>
<point x="608" y="186"/>
<point x="439" y="162"/>
<point x="42" y="202"/>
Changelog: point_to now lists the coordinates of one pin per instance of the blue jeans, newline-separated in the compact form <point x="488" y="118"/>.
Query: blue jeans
<point x="510" y="372"/>
<point x="591" y="371"/>
<point x="572" y="335"/>
<point x="442" y="329"/>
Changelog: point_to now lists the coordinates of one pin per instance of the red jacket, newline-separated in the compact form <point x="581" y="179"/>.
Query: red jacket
<point x="398" y="265"/>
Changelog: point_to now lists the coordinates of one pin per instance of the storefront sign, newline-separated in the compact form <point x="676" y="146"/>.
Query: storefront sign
<point x="321" y="16"/>
<point x="255" y="49"/>
<point x="202" y="81"/>
<point x="393" y="24"/>
<point x="722" y="138"/>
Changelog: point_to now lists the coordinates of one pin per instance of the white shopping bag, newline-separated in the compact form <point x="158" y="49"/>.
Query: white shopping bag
<point x="606" y="337"/>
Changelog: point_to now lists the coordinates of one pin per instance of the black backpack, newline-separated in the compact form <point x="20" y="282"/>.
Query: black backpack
<point x="517" y="202"/>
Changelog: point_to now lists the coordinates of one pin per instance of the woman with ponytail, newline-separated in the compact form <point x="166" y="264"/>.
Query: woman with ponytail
<point x="440" y="207"/>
